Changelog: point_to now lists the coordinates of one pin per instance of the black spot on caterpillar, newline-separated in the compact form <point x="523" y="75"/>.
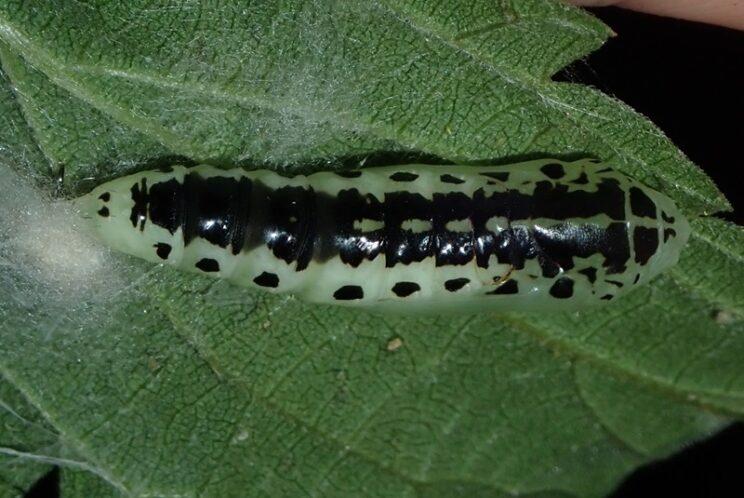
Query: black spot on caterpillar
<point x="349" y="174"/>
<point x="162" y="250"/>
<point x="456" y="284"/>
<point x="348" y="293"/>
<point x="501" y="176"/>
<point x="641" y="204"/>
<point x="405" y="289"/>
<point x="553" y="171"/>
<point x="562" y="288"/>
<point x="208" y="265"/>
<point x="403" y="176"/>
<point x="646" y="242"/>
<point x="508" y="287"/>
<point x="451" y="179"/>
<point x="591" y="274"/>
<point x="266" y="279"/>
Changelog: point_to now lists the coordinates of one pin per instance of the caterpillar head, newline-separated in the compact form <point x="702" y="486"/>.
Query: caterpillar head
<point x="122" y="215"/>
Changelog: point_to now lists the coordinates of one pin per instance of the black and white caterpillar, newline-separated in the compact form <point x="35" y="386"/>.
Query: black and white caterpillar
<point x="543" y="234"/>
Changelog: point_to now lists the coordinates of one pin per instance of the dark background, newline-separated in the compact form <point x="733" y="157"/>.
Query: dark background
<point x="687" y="78"/>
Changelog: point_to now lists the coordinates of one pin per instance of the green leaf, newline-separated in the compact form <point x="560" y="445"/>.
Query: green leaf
<point x="331" y="81"/>
<point x="82" y="484"/>
<point x="18" y="147"/>
<point x="25" y="442"/>
<point x="160" y="383"/>
<point x="82" y="139"/>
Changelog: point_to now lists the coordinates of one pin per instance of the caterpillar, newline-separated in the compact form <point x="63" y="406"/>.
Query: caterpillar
<point x="538" y="235"/>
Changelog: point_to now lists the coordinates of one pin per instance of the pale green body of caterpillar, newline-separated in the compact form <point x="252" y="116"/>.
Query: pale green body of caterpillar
<point x="539" y="235"/>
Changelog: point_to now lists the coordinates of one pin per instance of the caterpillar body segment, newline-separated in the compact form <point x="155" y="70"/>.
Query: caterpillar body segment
<point x="543" y="234"/>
